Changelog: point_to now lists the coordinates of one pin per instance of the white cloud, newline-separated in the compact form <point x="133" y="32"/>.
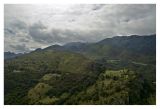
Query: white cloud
<point x="42" y="25"/>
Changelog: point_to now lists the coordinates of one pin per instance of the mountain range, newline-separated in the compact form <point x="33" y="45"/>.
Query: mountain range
<point x="117" y="47"/>
<point x="115" y="71"/>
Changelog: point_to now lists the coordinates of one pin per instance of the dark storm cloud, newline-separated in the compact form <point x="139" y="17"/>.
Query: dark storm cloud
<point x="15" y="27"/>
<point x="19" y="24"/>
<point x="8" y="31"/>
<point x="41" y="34"/>
<point x="34" y="26"/>
<point x="38" y="32"/>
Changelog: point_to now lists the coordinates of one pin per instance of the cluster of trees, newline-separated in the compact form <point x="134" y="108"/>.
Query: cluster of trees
<point x="126" y="88"/>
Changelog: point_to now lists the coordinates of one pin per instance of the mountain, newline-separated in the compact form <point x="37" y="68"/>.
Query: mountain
<point x="72" y="47"/>
<point x="125" y="47"/>
<point x="76" y="46"/>
<point x="133" y="47"/>
<point x="10" y="55"/>
<point x="134" y="43"/>
<point x="54" y="47"/>
<point x="114" y="71"/>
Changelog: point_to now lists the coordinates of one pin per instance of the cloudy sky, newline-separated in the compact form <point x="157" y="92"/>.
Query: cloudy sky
<point x="28" y="27"/>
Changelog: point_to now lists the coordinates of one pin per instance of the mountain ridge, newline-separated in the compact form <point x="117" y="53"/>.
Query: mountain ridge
<point x="74" y="45"/>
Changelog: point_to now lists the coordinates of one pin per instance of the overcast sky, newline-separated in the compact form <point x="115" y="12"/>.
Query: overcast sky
<point x="28" y="27"/>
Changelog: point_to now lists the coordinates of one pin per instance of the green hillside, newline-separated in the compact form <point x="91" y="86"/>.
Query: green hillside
<point x="61" y="61"/>
<point x="115" y="87"/>
<point x="115" y="71"/>
<point x="65" y="71"/>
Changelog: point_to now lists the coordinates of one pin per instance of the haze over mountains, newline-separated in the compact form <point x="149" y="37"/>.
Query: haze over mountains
<point x="109" y="47"/>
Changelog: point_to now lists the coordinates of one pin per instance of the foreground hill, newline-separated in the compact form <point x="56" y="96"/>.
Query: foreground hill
<point x="65" y="71"/>
<point x="46" y="60"/>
